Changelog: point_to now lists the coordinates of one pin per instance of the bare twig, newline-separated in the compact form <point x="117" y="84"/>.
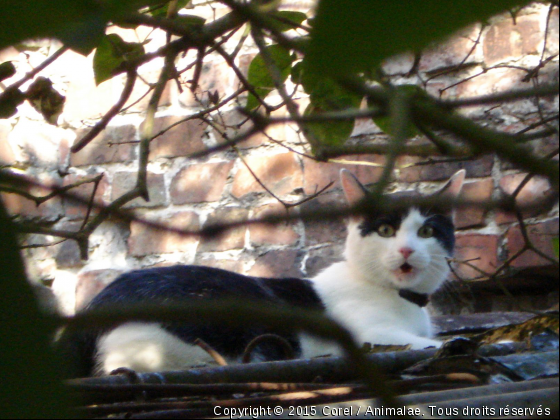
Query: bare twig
<point x="499" y="98"/>
<point x="101" y="125"/>
<point x="29" y="76"/>
<point x="218" y="358"/>
<point x="274" y="338"/>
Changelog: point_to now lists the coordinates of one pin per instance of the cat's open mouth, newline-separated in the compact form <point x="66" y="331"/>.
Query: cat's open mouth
<point x="406" y="268"/>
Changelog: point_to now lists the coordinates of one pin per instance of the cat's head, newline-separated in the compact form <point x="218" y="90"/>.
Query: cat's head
<point x="407" y="246"/>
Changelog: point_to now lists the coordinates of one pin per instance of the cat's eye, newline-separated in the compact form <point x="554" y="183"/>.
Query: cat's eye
<point x="386" y="231"/>
<point x="426" y="232"/>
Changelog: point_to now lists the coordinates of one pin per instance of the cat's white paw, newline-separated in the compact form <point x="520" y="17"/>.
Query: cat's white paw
<point x="421" y="343"/>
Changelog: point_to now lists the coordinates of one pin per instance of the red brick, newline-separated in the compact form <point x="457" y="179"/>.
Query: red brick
<point x="114" y="145"/>
<point x="441" y="172"/>
<point x="68" y="253"/>
<point x="277" y="264"/>
<point x="225" y="264"/>
<point x="64" y="156"/>
<point x="85" y="100"/>
<point x="531" y="36"/>
<point x="399" y="65"/>
<point x="366" y="127"/>
<point x="441" y="89"/>
<point x="231" y="239"/>
<point x="477" y="191"/>
<point x="280" y="173"/>
<point x="200" y="183"/>
<point x="215" y="76"/>
<point x="317" y="175"/>
<point x="452" y="52"/>
<point x="7" y="156"/>
<point x="480" y="250"/>
<point x="145" y="240"/>
<point x="280" y="234"/>
<point x="496" y="80"/>
<point x="181" y="140"/>
<point x="45" y="270"/>
<point x="49" y="211"/>
<point x="8" y="54"/>
<point x="37" y="143"/>
<point x="553" y="34"/>
<point x="245" y="61"/>
<point x="139" y="100"/>
<point x="322" y="258"/>
<point x="47" y="249"/>
<point x="90" y="283"/>
<point x="325" y="231"/>
<point x="232" y="123"/>
<point x="505" y="39"/>
<point x="541" y="236"/>
<point x="78" y="210"/>
<point x="124" y="182"/>
<point x="277" y="132"/>
<point x="536" y="189"/>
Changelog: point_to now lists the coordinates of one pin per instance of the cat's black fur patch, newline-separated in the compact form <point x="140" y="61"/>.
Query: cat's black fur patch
<point x="439" y="218"/>
<point x="372" y="222"/>
<point x="181" y="284"/>
<point x="444" y="230"/>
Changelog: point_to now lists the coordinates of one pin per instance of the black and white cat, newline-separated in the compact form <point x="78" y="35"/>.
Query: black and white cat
<point x="393" y="262"/>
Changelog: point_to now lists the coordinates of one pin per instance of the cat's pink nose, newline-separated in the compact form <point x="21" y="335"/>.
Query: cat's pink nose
<point x="406" y="252"/>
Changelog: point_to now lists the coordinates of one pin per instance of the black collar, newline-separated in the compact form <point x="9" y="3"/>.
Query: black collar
<point x="420" y="299"/>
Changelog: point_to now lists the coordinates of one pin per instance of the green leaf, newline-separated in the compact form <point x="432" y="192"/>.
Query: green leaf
<point x="190" y="20"/>
<point x="79" y="24"/>
<point x="160" y="10"/>
<point x="112" y="53"/>
<point x="385" y="123"/>
<point x="297" y="73"/>
<point x="354" y="36"/>
<point x="7" y="70"/>
<point x="324" y="92"/>
<point x="328" y="133"/>
<point x="287" y="20"/>
<point x="260" y="77"/>
<point x="556" y="246"/>
<point x="9" y="101"/>
<point x="31" y="385"/>
<point x="45" y="99"/>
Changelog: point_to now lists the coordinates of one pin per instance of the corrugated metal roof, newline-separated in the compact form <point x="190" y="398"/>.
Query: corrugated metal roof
<point x="517" y="380"/>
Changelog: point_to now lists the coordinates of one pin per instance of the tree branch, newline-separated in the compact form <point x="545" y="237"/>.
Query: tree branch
<point x="101" y="125"/>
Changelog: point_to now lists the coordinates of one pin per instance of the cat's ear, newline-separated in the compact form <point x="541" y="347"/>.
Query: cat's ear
<point x="454" y="186"/>
<point x="353" y="189"/>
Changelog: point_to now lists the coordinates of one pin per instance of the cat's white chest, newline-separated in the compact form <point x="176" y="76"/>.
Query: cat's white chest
<point x="363" y="310"/>
<point x="372" y="313"/>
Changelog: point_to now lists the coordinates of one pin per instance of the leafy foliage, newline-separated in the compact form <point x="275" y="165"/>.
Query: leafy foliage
<point x="111" y="54"/>
<point x="45" y="99"/>
<point x="79" y="24"/>
<point x="260" y="76"/>
<point x="9" y="101"/>
<point x="357" y="35"/>
<point x="287" y="20"/>
<point x="326" y="95"/>
<point x="30" y="386"/>
<point x="160" y="10"/>
<point x="386" y="124"/>
<point x="328" y="133"/>
<point x="7" y="70"/>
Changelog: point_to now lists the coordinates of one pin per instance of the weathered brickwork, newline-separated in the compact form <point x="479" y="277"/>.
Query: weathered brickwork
<point x="191" y="193"/>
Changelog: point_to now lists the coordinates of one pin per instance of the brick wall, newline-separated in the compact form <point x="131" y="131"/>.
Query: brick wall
<point x="191" y="193"/>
